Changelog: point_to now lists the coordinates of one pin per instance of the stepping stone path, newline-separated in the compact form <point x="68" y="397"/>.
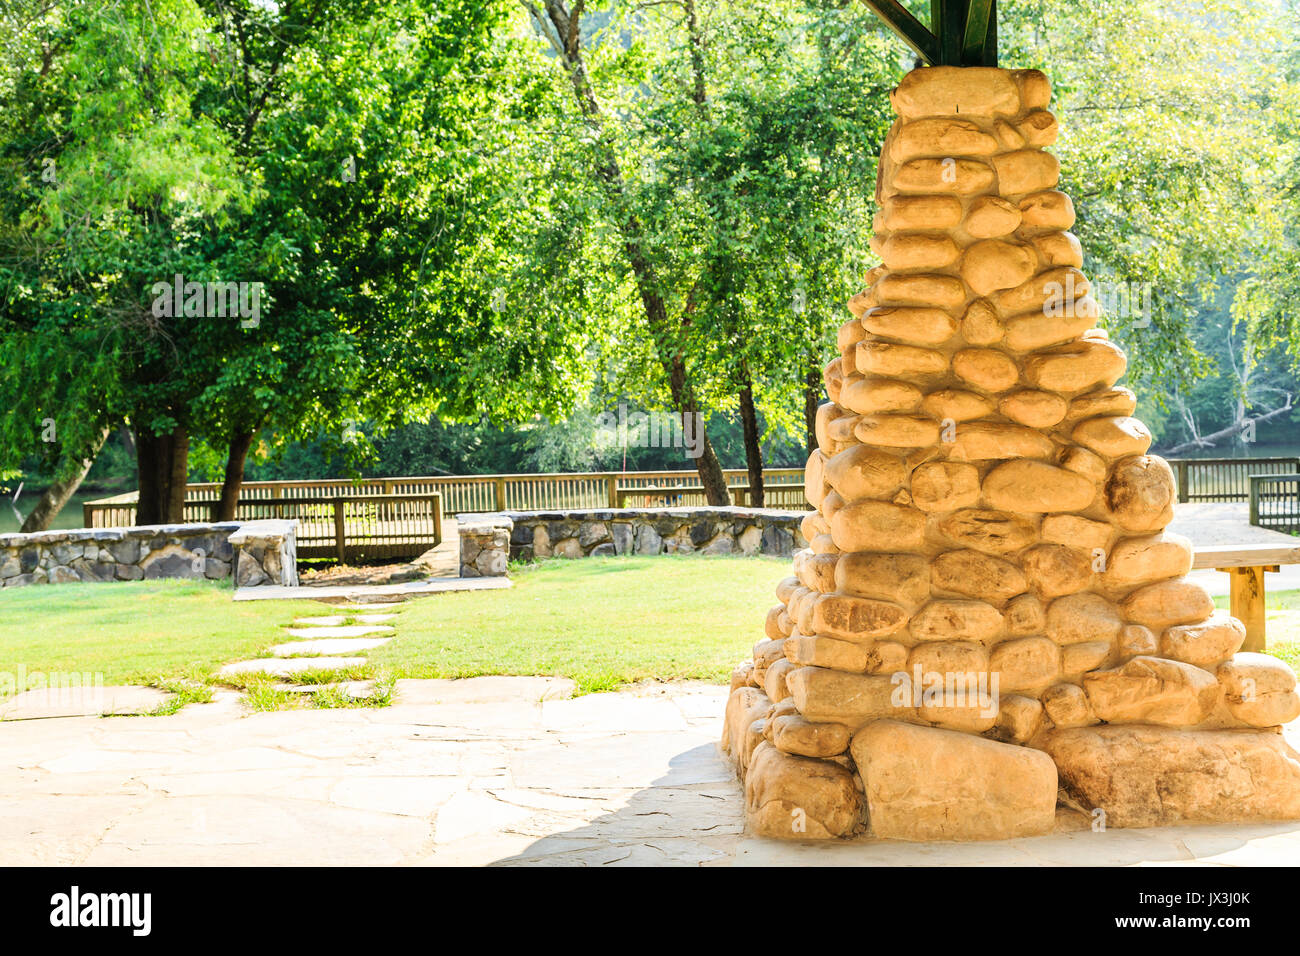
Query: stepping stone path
<point x="336" y="620"/>
<point x="328" y="646"/>
<point x="282" y="667"/>
<point x="324" y="643"/>
<point x="347" y="630"/>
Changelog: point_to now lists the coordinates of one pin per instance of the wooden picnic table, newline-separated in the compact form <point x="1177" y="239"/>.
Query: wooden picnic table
<point x="1245" y="565"/>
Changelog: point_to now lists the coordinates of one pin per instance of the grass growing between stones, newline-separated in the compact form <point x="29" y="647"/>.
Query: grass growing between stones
<point x="601" y="621"/>
<point x="136" y="632"/>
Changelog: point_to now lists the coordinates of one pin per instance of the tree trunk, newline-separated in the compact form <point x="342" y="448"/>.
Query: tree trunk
<point x="58" y="493"/>
<point x="812" y="398"/>
<point x="562" y="29"/>
<point x="163" y="462"/>
<point x="234" y="476"/>
<point x="753" y="451"/>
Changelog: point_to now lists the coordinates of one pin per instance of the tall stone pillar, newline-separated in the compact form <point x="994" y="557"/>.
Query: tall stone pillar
<point x="990" y="606"/>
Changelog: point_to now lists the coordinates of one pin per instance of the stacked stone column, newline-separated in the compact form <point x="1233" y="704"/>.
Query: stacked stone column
<point x="990" y="596"/>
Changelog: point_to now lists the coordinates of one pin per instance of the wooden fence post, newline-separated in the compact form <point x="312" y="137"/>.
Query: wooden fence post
<point x="611" y="486"/>
<point x="340" y="541"/>
<point x="500" y="486"/>
<point x="1183" y="490"/>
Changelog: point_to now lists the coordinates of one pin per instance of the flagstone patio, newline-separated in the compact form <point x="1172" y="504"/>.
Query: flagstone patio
<point x="494" y="770"/>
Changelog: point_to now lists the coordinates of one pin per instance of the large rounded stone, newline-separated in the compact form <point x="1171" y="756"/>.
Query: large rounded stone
<point x="1205" y="645"/>
<point x="897" y="431"/>
<point x="838" y="697"/>
<point x="940" y="137"/>
<point x="1077" y="532"/>
<point x="1027" y="485"/>
<point x="827" y="652"/>
<point x="1039" y="128"/>
<point x="944" y="175"/>
<point x="911" y="250"/>
<point x="863" y="472"/>
<point x="948" y="91"/>
<point x="989" y="217"/>
<point x="1107" y="401"/>
<point x="1050" y="210"/>
<point x="993" y="264"/>
<point x="1163" y="605"/>
<point x="955" y="405"/>
<point x="937" y="291"/>
<point x="799" y="798"/>
<point x="924" y="783"/>
<point x="1054" y="570"/>
<point x="984" y="441"/>
<point x="1035" y="330"/>
<point x="890" y="577"/>
<point x="1075" y="367"/>
<point x="868" y="396"/>
<point x="945" y="486"/>
<point x="1139" y="494"/>
<point x="993" y="532"/>
<point x="1076" y="618"/>
<point x="1259" y="690"/>
<point x="1026" y="171"/>
<point x="977" y="575"/>
<point x="988" y="369"/>
<point x="903" y="361"/>
<point x="1150" y="776"/>
<point x="794" y="735"/>
<point x="1136" y="561"/>
<point x="1029" y="664"/>
<point x="1113" y="437"/>
<point x="981" y="324"/>
<point x="1059" y="249"/>
<point x="921" y="212"/>
<point x="1033" y="408"/>
<point x="877" y="526"/>
<point x="956" y="620"/>
<point x="1151" y="690"/>
<point x="912" y="326"/>
<point x="855" y="618"/>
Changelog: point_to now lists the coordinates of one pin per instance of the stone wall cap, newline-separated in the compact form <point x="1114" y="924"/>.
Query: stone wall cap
<point x="484" y="522"/>
<point x="264" y="529"/>
<point x="614" y="514"/>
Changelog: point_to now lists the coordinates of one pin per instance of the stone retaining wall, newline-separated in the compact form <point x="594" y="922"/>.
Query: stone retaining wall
<point x="591" y="533"/>
<point x="151" y="551"/>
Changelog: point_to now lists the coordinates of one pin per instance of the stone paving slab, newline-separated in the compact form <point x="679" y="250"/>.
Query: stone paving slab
<point x="82" y="702"/>
<point x="475" y="772"/>
<point x="337" y="620"/>
<point x="328" y="647"/>
<point x="284" y="667"/>
<point x="359" y="594"/>
<point x="354" y="689"/>
<point x="347" y="630"/>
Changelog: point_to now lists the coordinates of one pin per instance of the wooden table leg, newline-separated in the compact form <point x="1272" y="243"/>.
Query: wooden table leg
<point x="1247" y="596"/>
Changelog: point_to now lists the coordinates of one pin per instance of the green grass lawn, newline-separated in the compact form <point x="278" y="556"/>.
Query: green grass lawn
<point x="135" y="632"/>
<point x="600" y="621"/>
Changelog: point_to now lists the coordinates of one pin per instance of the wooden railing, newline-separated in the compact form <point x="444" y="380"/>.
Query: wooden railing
<point x="348" y="527"/>
<point x="1224" y="479"/>
<point x="468" y="493"/>
<point x="1275" y="502"/>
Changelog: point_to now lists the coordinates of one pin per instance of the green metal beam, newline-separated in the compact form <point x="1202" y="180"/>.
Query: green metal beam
<point x="911" y="30"/>
<point x="980" y="17"/>
<point x="947" y="22"/>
